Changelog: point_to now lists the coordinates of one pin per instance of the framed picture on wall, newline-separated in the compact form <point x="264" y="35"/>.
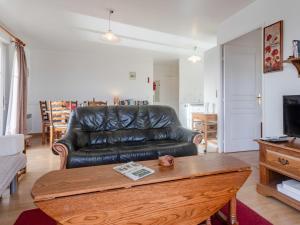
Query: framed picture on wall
<point x="273" y="47"/>
<point x="296" y="48"/>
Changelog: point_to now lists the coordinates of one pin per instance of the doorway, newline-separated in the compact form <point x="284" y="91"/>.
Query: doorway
<point x="242" y="91"/>
<point x="166" y="78"/>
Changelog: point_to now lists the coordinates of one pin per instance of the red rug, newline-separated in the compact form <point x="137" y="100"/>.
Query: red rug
<point x="246" y="216"/>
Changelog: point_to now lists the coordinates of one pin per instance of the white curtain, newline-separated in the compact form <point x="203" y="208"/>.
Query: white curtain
<point x="11" y="122"/>
<point x="17" y="107"/>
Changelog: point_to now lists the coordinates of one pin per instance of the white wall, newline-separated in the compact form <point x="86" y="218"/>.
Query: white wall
<point x="167" y="72"/>
<point x="259" y="14"/>
<point x="252" y="39"/>
<point x="101" y="73"/>
<point x="190" y="86"/>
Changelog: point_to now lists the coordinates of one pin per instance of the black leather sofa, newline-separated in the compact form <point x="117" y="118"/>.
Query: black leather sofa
<point x="118" y="134"/>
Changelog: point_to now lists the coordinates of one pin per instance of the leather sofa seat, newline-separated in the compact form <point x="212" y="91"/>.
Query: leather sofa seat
<point x="130" y="151"/>
<point x="118" y="134"/>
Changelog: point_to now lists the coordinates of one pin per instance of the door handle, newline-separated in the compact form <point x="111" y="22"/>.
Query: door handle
<point x="283" y="161"/>
<point x="259" y="98"/>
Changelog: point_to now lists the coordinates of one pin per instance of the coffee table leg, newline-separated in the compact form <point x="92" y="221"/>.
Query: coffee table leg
<point x="208" y="221"/>
<point x="232" y="212"/>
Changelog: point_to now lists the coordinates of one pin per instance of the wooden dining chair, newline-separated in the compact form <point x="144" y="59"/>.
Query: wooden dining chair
<point x="45" y="121"/>
<point x="71" y="105"/>
<point x="97" y="103"/>
<point x="59" y="115"/>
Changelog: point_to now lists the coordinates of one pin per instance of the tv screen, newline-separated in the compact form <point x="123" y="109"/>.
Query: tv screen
<point x="291" y="115"/>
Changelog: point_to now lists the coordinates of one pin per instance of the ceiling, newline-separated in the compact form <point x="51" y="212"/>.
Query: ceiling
<point x="171" y="26"/>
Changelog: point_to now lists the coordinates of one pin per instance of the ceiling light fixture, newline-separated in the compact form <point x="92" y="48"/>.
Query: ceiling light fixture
<point x="109" y="35"/>
<point x="195" y="57"/>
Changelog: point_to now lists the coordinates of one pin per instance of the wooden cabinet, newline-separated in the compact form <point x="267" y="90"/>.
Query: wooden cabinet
<point x="205" y="124"/>
<point x="278" y="162"/>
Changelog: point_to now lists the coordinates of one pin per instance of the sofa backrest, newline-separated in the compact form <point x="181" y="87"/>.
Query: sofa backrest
<point x="113" y="118"/>
<point x="118" y="124"/>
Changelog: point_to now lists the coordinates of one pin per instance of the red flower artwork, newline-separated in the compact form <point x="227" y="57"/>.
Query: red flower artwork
<point x="268" y="49"/>
<point x="272" y="47"/>
<point x="269" y="37"/>
<point x="275" y="52"/>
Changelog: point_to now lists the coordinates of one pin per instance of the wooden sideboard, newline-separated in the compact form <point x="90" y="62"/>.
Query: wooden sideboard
<point x="205" y="124"/>
<point x="278" y="162"/>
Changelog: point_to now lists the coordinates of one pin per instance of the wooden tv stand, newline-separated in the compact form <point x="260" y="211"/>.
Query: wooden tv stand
<point x="278" y="162"/>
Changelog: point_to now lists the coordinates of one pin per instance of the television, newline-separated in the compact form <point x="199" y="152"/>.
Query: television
<point x="291" y="115"/>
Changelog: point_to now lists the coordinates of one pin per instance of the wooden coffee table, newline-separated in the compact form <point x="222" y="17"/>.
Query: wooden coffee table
<point x="187" y="194"/>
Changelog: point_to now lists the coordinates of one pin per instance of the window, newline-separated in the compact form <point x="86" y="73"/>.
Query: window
<point x="11" y="121"/>
<point x="3" y="78"/>
<point x="1" y="86"/>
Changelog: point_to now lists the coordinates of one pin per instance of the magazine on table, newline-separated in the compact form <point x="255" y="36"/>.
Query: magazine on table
<point x="133" y="170"/>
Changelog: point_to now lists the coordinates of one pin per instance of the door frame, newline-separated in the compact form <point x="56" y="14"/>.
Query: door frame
<point x="221" y="112"/>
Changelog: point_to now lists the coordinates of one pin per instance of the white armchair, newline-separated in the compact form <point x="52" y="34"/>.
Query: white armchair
<point x="11" y="144"/>
<point x="12" y="160"/>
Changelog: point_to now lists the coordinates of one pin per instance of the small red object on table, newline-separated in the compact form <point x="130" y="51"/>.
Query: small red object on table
<point x="166" y="160"/>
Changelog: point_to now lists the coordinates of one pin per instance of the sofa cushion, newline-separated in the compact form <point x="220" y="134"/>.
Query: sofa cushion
<point x="130" y="135"/>
<point x="153" y="149"/>
<point x="131" y="151"/>
<point x="92" y="157"/>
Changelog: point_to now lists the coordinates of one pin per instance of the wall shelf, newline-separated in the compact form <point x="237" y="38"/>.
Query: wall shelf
<point x="295" y="62"/>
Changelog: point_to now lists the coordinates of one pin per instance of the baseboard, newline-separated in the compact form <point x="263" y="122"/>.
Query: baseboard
<point x="35" y="135"/>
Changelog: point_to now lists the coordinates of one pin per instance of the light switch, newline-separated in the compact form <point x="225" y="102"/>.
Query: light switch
<point x="132" y="75"/>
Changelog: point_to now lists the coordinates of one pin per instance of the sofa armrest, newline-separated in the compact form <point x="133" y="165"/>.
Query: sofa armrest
<point x="62" y="148"/>
<point x="183" y="134"/>
<point x="69" y="141"/>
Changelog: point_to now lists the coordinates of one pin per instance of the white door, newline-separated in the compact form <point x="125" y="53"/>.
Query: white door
<point x="169" y="89"/>
<point x="183" y="114"/>
<point x="242" y="86"/>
